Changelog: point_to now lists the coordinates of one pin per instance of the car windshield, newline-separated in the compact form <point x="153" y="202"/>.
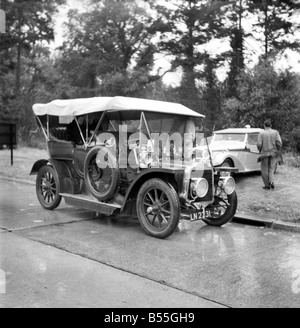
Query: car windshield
<point x="236" y="137"/>
<point x="130" y="119"/>
<point x="154" y="123"/>
<point x="166" y="123"/>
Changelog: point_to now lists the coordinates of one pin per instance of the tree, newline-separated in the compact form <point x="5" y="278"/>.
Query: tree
<point x="212" y="95"/>
<point x="265" y="93"/>
<point x="43" y="81"/>
<point x="111" y="47"/>
<point x="189" y="26"/>
<point x="30" y="26"/>
<point x="29" y="22"/>
<point x="274" y="19"/>
<point x="237" y="36"/>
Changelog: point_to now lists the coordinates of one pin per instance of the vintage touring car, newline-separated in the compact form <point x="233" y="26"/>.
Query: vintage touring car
<point x="134" y="156"/>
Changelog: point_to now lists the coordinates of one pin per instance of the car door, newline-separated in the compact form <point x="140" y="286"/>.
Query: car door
<point x="79" y="156"/>
<point x="251" y="163"/>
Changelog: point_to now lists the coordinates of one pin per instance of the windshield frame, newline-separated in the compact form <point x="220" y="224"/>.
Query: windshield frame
<point x="229" y="134"/>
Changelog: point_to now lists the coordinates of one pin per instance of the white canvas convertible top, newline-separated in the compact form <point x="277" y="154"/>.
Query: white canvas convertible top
<point x="81" y="106"/>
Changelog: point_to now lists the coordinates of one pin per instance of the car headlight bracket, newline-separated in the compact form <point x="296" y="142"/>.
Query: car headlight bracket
<point x="227" y="184"/>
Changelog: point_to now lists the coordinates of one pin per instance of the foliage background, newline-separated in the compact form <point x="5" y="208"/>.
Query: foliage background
<point x="112" y="48"/>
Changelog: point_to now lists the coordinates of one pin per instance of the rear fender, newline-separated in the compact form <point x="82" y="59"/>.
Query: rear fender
<point x="60" y="168"/>
<point x="38" y="165"/>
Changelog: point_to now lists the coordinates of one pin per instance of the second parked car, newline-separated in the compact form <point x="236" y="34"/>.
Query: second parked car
<point x="235" y="147"/>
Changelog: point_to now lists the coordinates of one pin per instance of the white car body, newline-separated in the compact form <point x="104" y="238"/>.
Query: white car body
<point x="236" y="147"/>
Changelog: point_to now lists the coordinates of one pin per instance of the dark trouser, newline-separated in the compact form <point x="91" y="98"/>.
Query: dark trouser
<point x="268" y="165"/>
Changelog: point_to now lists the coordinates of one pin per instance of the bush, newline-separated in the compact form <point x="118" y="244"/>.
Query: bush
<point x="296" y="139"/>
<point x="35" y="140"/>
<point x="292" y="160"/>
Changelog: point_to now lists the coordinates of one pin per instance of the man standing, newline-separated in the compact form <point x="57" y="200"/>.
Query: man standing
<point x="269" y="144"/>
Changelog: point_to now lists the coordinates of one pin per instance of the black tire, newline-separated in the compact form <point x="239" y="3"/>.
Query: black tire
<point x="158" y="208"/>
<point x="227" y="163"/>
<point x="101" y="182"/>
<point x="222" y="210"/>
<point x="48" y="188"/>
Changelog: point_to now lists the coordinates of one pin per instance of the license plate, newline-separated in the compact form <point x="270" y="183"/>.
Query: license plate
<point x="198" y="215"/>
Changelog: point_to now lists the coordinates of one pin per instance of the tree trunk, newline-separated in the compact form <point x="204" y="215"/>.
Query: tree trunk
<point x="266" y="26"/>
<point x="18" y="70"/>
<point x="19" y="50"/>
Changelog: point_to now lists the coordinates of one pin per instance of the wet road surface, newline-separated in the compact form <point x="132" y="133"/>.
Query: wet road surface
<point x="69" y="257"/>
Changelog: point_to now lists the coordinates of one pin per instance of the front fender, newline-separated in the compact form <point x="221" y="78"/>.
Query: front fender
<point x="220" y="158"/>
<point x="173" y="176"/>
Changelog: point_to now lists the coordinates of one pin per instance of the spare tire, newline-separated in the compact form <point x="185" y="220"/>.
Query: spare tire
<point x="101" y="173"/>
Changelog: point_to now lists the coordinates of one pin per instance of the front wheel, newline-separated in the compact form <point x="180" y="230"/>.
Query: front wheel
<point x="158" y="208"/>
<point x="222" y="210"/>
<point x="47" y="188"/>
<point x="227" y="163"/>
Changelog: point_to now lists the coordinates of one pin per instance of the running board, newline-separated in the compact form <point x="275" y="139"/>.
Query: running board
<point x="91" y="203"/>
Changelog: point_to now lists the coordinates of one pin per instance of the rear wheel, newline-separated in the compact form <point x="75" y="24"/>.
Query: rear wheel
<point x="158" y="208"/>
<point x="47" y="188"/>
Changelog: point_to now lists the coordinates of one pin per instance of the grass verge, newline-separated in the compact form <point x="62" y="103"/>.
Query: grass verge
<point x="23" y="160"/>
<point x="282" y="203"/>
